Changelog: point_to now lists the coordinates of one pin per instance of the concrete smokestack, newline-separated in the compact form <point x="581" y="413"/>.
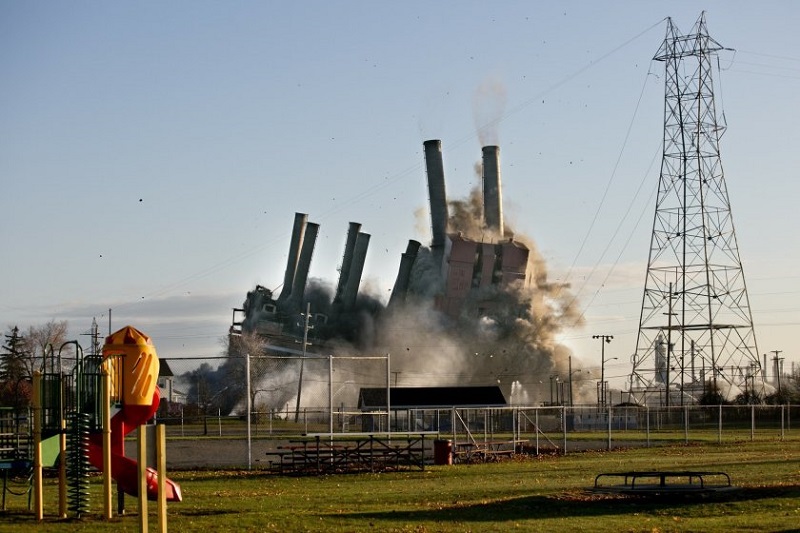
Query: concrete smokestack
<point x="298" y="232"/>
<point x="492" y="191"/>
<point x="356" y="269"/>
<point x="347" y="260"/>
<point x="404" y="274"/>
<point x="303" y="265"/>
<point x="437" y="196"/>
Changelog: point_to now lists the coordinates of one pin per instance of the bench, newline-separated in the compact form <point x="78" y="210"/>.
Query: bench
<point x="369" y="454"/>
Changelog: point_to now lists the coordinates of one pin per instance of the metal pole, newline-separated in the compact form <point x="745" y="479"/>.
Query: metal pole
<point x="249" y="408"/>
<point x="571" y="403"/>
<point x="388" y="394"/>
<point x="601" y="396"/>
<point x="302" y="362"/>
<point x="685" y="423"/>
<point x="330" y="394"/>
<point x="669" y="341"/>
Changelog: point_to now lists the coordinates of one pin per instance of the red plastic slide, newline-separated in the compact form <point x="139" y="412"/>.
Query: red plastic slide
<point x="125" y="471"/>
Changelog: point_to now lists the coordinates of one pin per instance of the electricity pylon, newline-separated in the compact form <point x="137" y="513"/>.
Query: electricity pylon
<point x="696" y="332"/>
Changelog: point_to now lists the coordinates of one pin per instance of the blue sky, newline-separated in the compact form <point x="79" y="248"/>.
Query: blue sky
<point x="152" y="154"/>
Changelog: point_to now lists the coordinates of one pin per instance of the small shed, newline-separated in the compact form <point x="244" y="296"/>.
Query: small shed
<point x="401" y="398"/>
<point x="418" y="408"/>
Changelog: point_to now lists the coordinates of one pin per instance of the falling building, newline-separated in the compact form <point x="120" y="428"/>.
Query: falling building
<point x="465" y="266"/>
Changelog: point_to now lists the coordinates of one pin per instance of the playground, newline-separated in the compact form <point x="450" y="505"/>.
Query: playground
<point x="80" y="420"/>
<point x="59" y="478"/>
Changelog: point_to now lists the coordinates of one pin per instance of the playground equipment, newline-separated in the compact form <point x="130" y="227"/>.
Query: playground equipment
<point x="131" y="361"/>
<point x="72" y="404"/>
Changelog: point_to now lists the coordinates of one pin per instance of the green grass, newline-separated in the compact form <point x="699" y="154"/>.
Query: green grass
<point x="532" y="494"/>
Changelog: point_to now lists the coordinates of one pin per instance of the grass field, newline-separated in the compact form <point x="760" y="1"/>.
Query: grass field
<point x="547" y="493"/>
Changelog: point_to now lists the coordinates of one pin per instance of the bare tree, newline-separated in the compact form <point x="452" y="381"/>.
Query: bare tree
<point x="238" y="347"/>
<point x="43" y="341"/>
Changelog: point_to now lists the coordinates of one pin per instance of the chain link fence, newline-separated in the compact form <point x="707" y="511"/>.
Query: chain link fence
<point x="207" y="400"/>
<point x="286" y="395"/>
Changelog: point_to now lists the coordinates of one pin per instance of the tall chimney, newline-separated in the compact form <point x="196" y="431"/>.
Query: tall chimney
<point x="404" y="274"/>
<point x="298" y="231"/>
<point x="492" y="192"/>
<point x="347" y="260"/>
<point x="437" y="196"/>
<point x="303" y="266"/>
<point x="356" y="269"/>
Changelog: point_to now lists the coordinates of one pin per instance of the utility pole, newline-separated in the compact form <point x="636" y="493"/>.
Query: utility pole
<point x="571" y="403"/>
<point x="601" y="393"/>
<point x="778" y="362"/>
<point x="306" y="327"/>
<point x="670" y="314"/>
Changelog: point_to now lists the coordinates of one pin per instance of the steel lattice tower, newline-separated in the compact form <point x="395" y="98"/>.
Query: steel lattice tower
<point x="695" y="329"/>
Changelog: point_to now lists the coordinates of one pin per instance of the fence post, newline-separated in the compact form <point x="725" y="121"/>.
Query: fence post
<point x="453" y="424"/>
<point x="248" y="412"/>
<point x="752" y="422"/>
<point x="330" y="396"/>
<point x="608" y="414"/>
<point x="388" y="395"/>
<point x="647" y="415"/>
<point x="782" y="410"/>
<point x="686" y="424"/>
<point x="564" y="426"/>
<point x="719" y="426"/>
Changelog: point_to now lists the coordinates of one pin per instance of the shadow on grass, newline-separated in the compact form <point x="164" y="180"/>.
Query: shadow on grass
<point x="576" y="504"/>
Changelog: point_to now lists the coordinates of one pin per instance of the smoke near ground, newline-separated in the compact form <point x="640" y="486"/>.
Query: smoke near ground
<point x="512" y="343"/>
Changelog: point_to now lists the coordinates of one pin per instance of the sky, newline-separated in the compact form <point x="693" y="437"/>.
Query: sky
<point x="153" y="154"/>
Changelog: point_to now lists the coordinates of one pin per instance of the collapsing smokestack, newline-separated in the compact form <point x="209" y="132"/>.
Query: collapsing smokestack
<point x="298" y="232"/>
<point x="347" y="260"/>
<point x="356" y="269"/>
<point x="437" y="196"/>
<point x="492" y="192"/>
<point x="303" y="266"/>
<point x="404" y="274"/>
